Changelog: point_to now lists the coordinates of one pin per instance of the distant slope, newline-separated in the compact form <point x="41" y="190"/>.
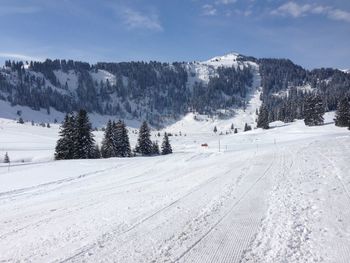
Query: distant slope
<point x="154" y="91"/>
<point x="163" y="93"/>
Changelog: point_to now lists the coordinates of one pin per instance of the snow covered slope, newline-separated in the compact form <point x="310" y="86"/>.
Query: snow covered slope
<point x="157" y="92"/>
<point x="195" y="123"/>
<point x="230" y="60"/>
<point x="203" y="71"/>
<point x="280" y="195"/>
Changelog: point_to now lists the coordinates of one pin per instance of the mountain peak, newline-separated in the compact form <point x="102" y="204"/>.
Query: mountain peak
<point x="229" y="57"/>
<point x="232" y="59"/>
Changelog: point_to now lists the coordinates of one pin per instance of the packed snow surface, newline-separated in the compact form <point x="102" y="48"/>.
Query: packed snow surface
<point x="281" y="195"/>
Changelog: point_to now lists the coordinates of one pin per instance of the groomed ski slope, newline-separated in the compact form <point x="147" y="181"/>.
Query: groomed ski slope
<point x="281" y="195"/>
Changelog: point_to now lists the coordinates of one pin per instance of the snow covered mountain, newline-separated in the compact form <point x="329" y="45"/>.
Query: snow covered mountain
<point x="136" y="90"/>
<point x="161" y="92"/>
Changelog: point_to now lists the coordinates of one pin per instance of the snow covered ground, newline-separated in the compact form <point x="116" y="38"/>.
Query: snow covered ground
<point x="281" y="195"/>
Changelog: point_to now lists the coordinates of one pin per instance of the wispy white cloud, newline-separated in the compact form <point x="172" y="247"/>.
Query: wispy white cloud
<point x="337" y="14"/>
<point x="292" y="9"/>
<point x="136" y="20"/>
<point x="209" y="10"/>
<point x="299" y="10"/>
<point x="17" y="56"/>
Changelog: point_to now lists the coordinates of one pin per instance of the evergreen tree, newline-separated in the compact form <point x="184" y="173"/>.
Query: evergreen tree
<point x="65" y="145"/>
<point x="263" y="118"/>
<point x="126" y="142"/>
<point x="144" y="143"/>
<point x="166" y="147"/>
<point x="236" y="131"/>
<point x="314" y="110"/>
<point x="342" y="115"/>
<point x="107" y="147"/>
<point x="84" y="142"/>
<point x="247" y="127"/>
<point x="121" y="140"/>
<point x="155" y="148"/>
<point x="215" y="129"/>
<point x="232" y="127"/>
<point x="6" y="158"/>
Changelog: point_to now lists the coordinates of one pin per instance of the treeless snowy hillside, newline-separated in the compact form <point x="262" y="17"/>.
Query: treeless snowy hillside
<point x="280" y="195"/>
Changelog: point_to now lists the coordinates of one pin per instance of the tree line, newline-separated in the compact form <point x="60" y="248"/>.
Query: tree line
<point x="288" y="88"/>
<point x="77" y="140"/>
<point x="135" y="90"/>
<point x="313" y="111"/>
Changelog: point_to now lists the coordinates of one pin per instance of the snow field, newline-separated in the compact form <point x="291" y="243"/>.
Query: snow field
<point x="280" y="195"/>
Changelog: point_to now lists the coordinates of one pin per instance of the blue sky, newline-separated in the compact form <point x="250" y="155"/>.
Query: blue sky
<point x="311" y="33"/>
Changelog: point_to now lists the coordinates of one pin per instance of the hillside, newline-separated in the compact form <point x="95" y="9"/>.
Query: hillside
<point x="163" y="93"/>
<point x="157" y="92"/>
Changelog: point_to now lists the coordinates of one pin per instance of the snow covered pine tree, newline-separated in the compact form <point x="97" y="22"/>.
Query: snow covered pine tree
<point x="166" y="147"/>
<point x="314" y="110"/>
<point x="64" y="147"/>
<point x="263" y="118"/>
<point x="342" y="115"/>
<point x="84" y="142"/>
<point x="121" y="140"/>
<point x="107" y="147"/>
<point x="144" y="143"/>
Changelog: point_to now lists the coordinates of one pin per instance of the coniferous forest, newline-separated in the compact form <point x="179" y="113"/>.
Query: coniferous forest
<point x="155" y="91"/>
<point x="77" y="140"/>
